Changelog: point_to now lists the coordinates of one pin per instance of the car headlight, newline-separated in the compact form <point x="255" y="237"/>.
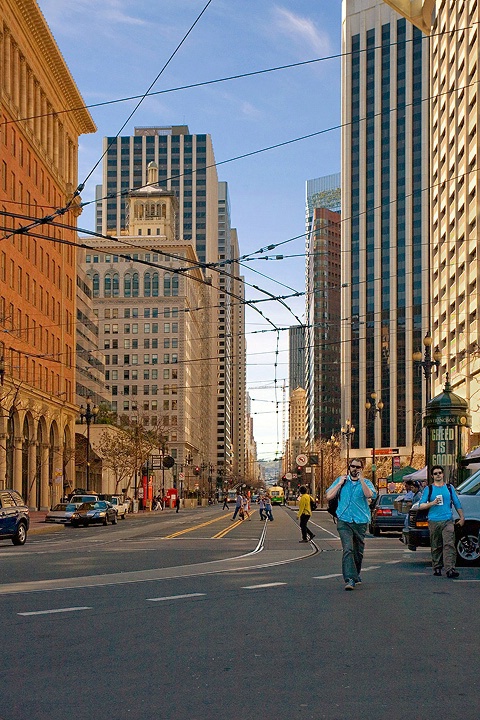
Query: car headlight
<point x="75" y="515"/>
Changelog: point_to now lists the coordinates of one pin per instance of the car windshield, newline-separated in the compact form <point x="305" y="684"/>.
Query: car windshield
<point x="70" y="507"/>
<point x="60" y="506"/>
<point x="470" y="486"/>
<point x="86" y="506"/>
<point x="100" y="505"/>
<point x="387" y="499"/>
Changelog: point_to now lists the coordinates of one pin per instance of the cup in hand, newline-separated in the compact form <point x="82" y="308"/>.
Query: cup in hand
<point x="439" y="499"/>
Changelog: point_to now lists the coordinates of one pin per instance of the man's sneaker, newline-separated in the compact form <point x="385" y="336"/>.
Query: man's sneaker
<point x="349" y="585"/>
<point x="453" y="573"/>
<point x="438" y="572"/>
<point x="359" y="581"/>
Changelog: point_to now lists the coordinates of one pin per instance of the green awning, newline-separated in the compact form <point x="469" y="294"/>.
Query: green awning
<point x="397" y="476"/>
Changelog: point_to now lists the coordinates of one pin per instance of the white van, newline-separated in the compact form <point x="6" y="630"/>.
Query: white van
<point x="77" y="500"/>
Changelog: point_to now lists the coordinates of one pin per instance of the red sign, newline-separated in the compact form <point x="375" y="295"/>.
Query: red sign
<point x="396" y="462"/>
<point x="385" y="451"/>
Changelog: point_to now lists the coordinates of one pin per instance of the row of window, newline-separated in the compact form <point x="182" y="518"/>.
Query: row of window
<point x="148" y="359"/>
<point x="147" y="344"/>
<point x="132" y="328"/>
<point x="133" y="313"/>
<point x="131" y="285"/>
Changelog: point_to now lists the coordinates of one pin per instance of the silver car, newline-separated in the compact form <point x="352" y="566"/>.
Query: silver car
<point x="60" y="513"/>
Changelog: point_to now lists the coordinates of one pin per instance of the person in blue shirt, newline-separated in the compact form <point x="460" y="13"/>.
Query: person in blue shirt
<point x="353" y="516"/>
<point x="440" y="522"/>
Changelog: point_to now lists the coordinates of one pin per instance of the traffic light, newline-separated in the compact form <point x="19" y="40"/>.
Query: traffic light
<point x="196" y="470"/>
<point x="299" y="471"/>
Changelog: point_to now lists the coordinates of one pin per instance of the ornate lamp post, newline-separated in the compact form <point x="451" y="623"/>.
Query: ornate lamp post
<point x="428" y="363"/>
<point x="88" y="414"/>
<point x="332" y="444"/>
<point x="374" y="407"/>
<point x="348" y="431"/>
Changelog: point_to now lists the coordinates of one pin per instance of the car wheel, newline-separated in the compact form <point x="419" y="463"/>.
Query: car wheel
<point x="73" y="524"/>
<point x="115" y="519"/>
<point x="468" y="546"/>
<point x="376" y="531"/>
<point x="85" y="524"/>
<point x="124" y="516"/>
<point x="21" y="535"/>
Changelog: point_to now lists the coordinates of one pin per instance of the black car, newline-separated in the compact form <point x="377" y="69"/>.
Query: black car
<point x="385" y="517"/>
<point x="99" y="511"/>
<point x="14" y="517"/>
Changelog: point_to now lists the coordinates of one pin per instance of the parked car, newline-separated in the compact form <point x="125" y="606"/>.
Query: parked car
<point x="14" y="517"/>
<point x="88" y="513"/>
<point x="60" y="513"/>
<point x="467" y="538"/>
<point x="118" y="502"/>
<point x="384" y="515"/>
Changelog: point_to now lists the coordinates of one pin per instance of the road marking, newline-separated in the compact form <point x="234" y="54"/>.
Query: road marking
<point x="265" y="585"/>
<point x="229" y="528"/>
<point x="466" y="581"/>
<point x="393" y="562"/>
<point x="327" y="577"/>
<point x="58" y="610"/>
<point x="194" y="527"/>
<point x="175" y="597"/>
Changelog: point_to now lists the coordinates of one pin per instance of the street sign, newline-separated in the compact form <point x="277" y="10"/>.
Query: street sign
<point x="181" y="476"/>
<point x="301" y="460"/>
<point x="396" y="462"/>
<point x="385" y="451"/>
<point x="289" y="476"/>
<point x="156" y="462"/>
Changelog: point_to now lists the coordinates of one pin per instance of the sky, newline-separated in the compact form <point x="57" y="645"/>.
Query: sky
<point x="116" y="48"/>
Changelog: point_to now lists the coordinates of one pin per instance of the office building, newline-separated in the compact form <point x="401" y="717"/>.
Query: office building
<point x="385" y="222"/>
<point x="42" y="116"/>
<point x="155" y="305"/>
<point x="322" y="332"/>
<point x="296" y="357"/>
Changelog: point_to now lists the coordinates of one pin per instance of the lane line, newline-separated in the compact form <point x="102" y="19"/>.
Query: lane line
<point x="176" y="597"/>
<point x="372" y="567"/>
<point x="264" y="585"/>
<point x="194" y="527"/>
<point x="57" y="610"/>
<point x="327" y="577"/>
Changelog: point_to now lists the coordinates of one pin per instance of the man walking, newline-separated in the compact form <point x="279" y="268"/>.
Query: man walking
<point x="439" y="499"/>
<point x="305" y="513"/>
<point x="353" y="516"/>
<point x="238" y="505"/>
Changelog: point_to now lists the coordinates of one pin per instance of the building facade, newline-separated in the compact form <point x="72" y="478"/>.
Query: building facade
<point x="322" y="332"/>
<point x="385" y="222"/>
<point x="41" y="118"/>
<point x="296" y="357"/>
<point x="154" y="305"/>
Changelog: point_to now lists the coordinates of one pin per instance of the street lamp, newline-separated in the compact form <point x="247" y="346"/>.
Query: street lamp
<point x="428" y="363"/>
<point x="374" y="407"/>
<point x="88" y="414"/>
<point x="348" y="432"/>
<point x="332" y="444"/>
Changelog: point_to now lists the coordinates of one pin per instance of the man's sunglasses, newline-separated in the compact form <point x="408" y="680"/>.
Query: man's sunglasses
<point x="439" y="472"/>
<point x="356" y="467"/>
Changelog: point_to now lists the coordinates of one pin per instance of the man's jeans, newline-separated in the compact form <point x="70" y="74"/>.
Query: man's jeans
<point x="442" y="543"/>
<point x="352" y="536"/>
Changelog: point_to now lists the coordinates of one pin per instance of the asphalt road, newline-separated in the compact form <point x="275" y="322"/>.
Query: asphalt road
<point x="194" y="617"/>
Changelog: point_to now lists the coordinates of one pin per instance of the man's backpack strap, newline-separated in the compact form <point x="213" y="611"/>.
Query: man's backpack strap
<point x="449" y="486"/>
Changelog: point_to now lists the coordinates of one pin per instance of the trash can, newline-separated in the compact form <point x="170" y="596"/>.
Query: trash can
<point x="135" y="506"/>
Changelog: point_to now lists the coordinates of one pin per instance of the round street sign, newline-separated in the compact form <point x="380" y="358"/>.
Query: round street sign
<point x="301" y="460"/>
<point x="289" y="476"/>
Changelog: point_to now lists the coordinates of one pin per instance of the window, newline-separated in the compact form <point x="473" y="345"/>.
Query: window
<point x="147" y="284"/>
<point x="167" y="285"/>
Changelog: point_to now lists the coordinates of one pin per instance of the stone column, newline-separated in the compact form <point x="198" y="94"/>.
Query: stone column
<point x="45" y="488"/>
<point x="32" y="475"/>
<point x="17" y="464"/>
